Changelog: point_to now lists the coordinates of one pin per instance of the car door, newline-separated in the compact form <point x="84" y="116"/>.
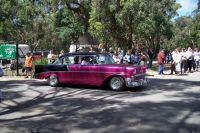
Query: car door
<point x="66" y="70"/>
<point x="85" y="74"/>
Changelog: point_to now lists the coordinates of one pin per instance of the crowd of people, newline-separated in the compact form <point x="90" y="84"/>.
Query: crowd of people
<point x="134" y="57"/>
<point x="186" y="60"/>
<point x="181" y="61"/>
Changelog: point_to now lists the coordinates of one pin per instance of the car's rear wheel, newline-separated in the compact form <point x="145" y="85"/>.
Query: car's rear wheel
<point x="117" y="83"/>
<point x="53" y="81"/>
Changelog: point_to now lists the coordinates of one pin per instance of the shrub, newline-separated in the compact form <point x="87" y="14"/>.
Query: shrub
<point x="41" y="61"/>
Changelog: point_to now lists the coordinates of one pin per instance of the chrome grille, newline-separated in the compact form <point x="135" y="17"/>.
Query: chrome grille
<point x="137" y="77"/>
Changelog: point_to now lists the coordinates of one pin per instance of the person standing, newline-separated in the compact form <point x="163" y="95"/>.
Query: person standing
<point x="101" y="48"/>
<point x="184" y="61"/>
<point x="177" y="60"/>
<point x="144" y="55"/>
<point x="196" y="58"/>
<point x="61" y="52"/>
<point x="111" y="52"/>
<point x="136" y="59"/>
<point x="51" y="57"/>
<point x="91" y="49"/>
<point x="72" y="47"/>
<point x="116" y="57"/>
<point x="161" y="59"/>
<point x="150" y="54"/>
<point x="173" y="62"/>
<point x="1" y="72"/>
<point x="189" y="59"/>
<point x="28" y="64"/>
<point x="166" y="55"/>
<point x="120" y="54"/>
<point x="127" y="57"/>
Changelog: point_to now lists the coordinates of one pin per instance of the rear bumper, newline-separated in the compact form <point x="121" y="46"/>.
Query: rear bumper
<point x="131" y="82"/>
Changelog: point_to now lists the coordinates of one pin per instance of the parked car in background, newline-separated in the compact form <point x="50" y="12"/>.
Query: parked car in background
<point x="98" y="70"/>
<point x="39" y="54"/>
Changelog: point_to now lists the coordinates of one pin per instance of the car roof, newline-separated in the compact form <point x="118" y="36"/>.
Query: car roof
<point x="81" y="53"/>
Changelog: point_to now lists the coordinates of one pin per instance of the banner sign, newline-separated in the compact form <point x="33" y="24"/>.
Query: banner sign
<point x="7" y="51"/>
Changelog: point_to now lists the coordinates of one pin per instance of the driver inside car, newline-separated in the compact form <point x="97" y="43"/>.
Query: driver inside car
<point x="86" y="61"/>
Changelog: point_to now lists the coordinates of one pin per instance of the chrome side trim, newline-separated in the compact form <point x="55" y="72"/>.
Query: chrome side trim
<point x="122" y="73"/>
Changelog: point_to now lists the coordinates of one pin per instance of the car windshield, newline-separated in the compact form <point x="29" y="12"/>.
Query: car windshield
<point x="104" y="59"/>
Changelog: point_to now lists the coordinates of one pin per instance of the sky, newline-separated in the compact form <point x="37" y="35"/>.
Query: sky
<point x="187" y="6"/>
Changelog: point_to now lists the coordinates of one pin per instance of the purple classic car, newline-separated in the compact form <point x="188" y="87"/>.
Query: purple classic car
<point x="100" y="69"/>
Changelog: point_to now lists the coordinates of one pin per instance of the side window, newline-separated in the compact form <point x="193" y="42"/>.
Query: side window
<point x="67" y="60"/>
<point x="103" y="59"/>
<point x="100" y="59"/>
<point x="86" y="59"/>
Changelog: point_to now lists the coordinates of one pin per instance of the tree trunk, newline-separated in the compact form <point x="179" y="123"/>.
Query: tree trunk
<point x="38" y="42"/>
<point x="130" y="34"/>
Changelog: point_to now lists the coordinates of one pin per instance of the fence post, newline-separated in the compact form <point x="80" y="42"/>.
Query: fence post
<point x="17" y="58"/>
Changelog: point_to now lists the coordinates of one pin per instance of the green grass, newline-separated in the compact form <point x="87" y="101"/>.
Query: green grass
<point x="8" y="72"/>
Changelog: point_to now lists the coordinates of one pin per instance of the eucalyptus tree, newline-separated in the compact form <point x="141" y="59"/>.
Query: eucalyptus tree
<point x="157" y="26"/>
<point x="104" y="23"/>
<point x="115" y="21"/>
<point x="133" y="23"/>
<point x="81" y="9"/>
<point x="7" y="9"/>
<point x="195" y="31"/>
<point x="184" y="26"/>
<point x="71" y="20"/>
<point x="26" y="18"/>
<point x="67" y="28"/>
<point x="44" y="24"/>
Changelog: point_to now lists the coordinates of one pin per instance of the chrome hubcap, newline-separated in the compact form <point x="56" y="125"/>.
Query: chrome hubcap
<point x="53" y="80"/>
<point x="115" y="83"/>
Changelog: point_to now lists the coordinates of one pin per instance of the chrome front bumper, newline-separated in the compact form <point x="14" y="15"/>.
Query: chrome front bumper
<point x="132" y="82"/>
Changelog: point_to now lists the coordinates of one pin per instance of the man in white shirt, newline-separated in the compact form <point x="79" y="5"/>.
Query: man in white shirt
<point x="72" y="48"/>
<point x="86" y="61"/>
<point x="196" y="58"/>
<point x="51" y="56"/>
<point x="184" y="60"/>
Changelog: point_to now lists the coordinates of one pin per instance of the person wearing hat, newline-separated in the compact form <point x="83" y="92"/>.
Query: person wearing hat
<point x="28" y="64"/>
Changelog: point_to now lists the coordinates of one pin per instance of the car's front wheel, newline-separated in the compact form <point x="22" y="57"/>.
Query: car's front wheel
<point x="53" y="81"/>
<point x="117" y="83"/>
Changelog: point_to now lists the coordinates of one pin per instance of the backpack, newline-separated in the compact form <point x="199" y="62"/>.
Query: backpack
<point x="1" y="72"/>
<point x="12" y="66"/>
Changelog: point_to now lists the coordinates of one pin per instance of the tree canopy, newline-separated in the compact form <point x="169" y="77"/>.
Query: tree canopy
<point x="53" y="24"/>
